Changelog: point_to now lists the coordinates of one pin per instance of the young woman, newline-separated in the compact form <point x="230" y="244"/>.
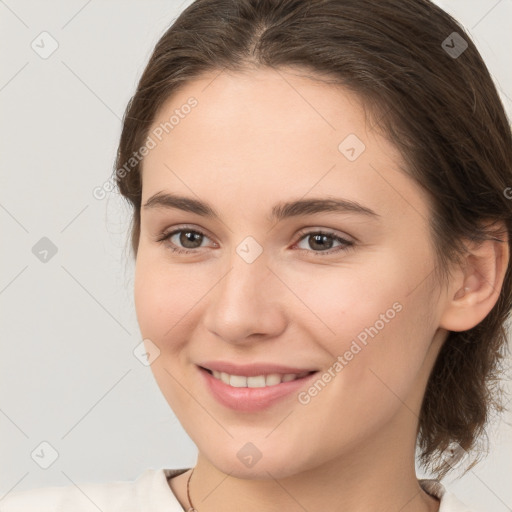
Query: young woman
<point x="321" y="233"/>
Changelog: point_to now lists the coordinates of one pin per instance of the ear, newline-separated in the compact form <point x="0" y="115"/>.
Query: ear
<point x="476" y="285"/>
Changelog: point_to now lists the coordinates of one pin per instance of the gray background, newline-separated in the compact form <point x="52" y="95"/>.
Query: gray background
<point x="68" y="327"/>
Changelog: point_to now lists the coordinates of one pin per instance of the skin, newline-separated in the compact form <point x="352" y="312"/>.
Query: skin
<point x="255" y="139"/>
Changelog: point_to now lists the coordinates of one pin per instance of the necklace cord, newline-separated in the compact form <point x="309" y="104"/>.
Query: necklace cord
<point x="191" y="507"/>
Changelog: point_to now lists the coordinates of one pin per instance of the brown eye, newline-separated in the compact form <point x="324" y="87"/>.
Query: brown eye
<point x="190" y="239"/>
<point x="183" y="240"/>
<point x="322" y="242"/>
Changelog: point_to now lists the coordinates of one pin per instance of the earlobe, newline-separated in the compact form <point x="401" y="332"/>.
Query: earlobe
<point x="477" y="287"/>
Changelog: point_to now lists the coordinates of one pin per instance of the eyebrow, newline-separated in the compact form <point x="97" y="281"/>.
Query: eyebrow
<point x="279" y="211"/>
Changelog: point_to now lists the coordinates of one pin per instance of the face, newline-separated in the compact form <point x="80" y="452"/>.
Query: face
<point x="346" y="292"/>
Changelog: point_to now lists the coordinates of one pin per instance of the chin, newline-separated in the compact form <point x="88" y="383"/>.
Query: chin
<point x="276" y="466"/>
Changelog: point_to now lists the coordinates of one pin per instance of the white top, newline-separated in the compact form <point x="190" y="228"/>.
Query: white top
<point x="150" y="492"/>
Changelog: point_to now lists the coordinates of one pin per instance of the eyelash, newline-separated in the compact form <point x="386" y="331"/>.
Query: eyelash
<point x="346" y="244"/>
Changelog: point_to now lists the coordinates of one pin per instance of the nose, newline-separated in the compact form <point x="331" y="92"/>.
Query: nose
<point x="247" y="303"/>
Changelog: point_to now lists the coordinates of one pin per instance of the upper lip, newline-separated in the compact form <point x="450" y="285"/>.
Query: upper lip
<point x="253" y="369"/>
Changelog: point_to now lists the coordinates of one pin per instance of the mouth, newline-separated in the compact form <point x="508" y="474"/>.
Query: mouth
<point x="256" y="381"/>
<point x="253" y="393"/>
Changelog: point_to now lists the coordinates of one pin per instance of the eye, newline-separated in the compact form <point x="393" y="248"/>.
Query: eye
<point x="323" y="241"/>
<point x="190" y="239"/>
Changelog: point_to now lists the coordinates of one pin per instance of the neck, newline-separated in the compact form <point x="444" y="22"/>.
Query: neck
<point x="376" y="476"/>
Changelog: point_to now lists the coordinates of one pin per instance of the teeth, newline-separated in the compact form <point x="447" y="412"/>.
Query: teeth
<point x="272" y="379"/>
<point x="257" y="381"/>
<point x="254" y="382"/>
<point x="237" y="381"/>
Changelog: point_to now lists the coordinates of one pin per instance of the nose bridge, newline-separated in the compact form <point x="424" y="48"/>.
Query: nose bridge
<point x="245" y="301"/>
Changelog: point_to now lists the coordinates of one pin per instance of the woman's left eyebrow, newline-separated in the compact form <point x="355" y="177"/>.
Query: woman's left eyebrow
<point x="319" y="205"/>
<point x="279" y="211"/>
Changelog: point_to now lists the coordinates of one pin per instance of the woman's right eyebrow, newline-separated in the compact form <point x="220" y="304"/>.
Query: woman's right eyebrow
<point x="279" y="212"/>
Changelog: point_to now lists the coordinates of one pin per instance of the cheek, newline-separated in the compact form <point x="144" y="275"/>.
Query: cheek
<point x="374" y="371"/>
<point x="368" y="321"/>
<point x="165" y="296"/>
<point x="339" y="304"/>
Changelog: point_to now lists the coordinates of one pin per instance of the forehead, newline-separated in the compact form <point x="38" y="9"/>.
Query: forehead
<point x="262" y="106"/>
<point x="263" y="133"/>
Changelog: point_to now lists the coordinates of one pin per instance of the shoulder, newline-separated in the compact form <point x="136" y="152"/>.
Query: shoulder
<point x="117" y="496"/>
<point x="448" y="501"/>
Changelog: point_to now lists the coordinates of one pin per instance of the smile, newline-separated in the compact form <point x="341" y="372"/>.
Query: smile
<point x="256" y="381"/>
<point x="253" y="393"/>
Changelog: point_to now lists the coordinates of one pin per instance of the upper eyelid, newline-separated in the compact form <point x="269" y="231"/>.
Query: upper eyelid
<point x="177" y="229"/>
<point x="327" y="231"/>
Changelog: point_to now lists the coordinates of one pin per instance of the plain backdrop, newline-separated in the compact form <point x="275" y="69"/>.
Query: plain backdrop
<point x="69" y="377"/>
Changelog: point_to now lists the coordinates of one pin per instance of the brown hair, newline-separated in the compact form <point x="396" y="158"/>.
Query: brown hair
<point x="440" y="109"/>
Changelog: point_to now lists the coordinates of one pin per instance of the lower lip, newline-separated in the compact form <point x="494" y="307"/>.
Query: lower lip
<point x="252" y="399"/>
